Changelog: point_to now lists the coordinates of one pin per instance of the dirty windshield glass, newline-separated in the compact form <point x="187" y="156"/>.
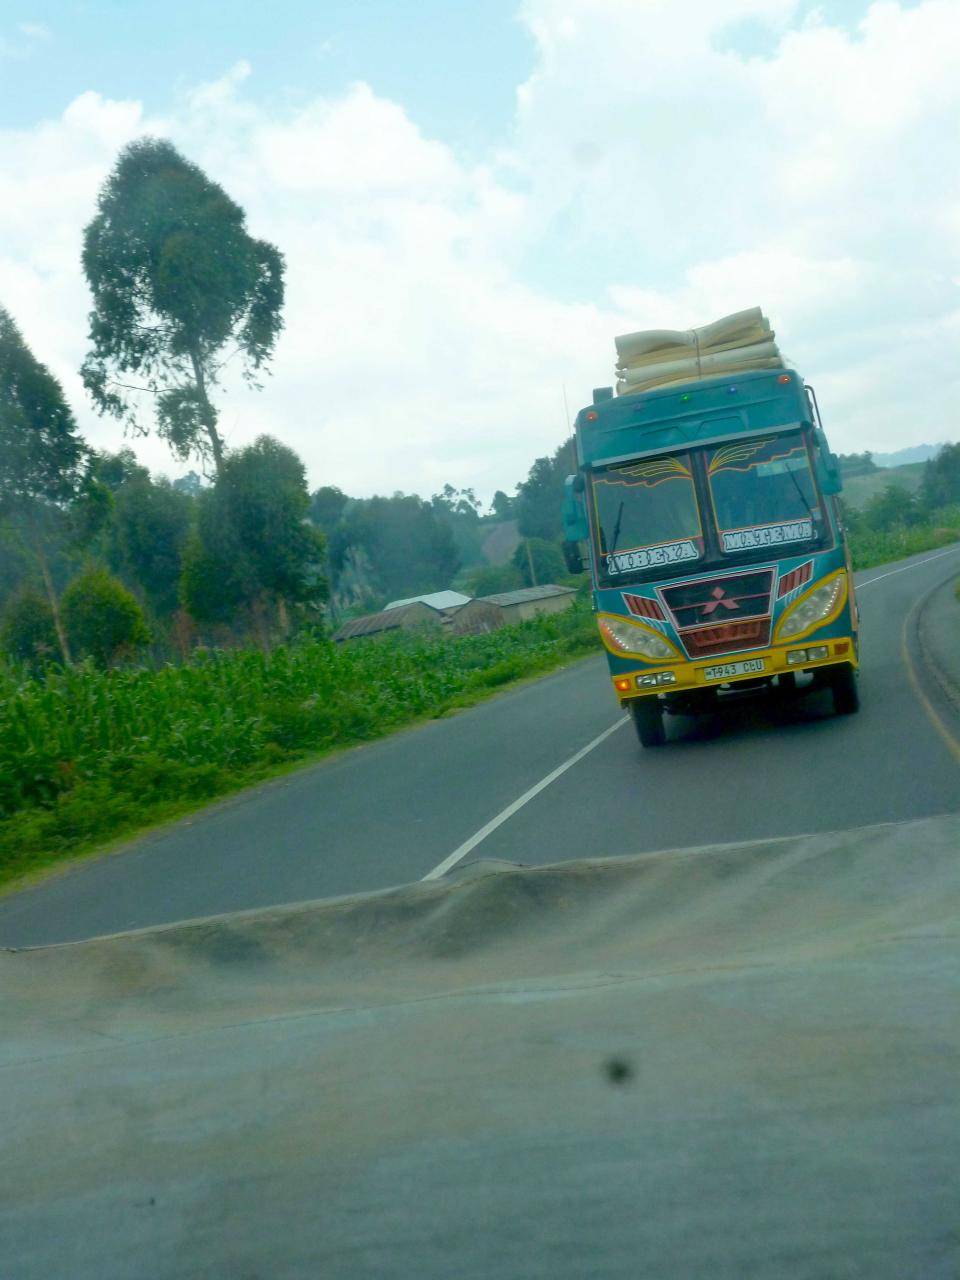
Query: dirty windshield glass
<point x="647" y="515"/>
<point x="763" y="493"/>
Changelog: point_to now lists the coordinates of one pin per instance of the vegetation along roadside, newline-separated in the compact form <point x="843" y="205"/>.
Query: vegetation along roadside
<point x="88" y="755"/>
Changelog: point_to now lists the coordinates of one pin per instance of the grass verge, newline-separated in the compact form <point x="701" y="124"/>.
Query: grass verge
<point x="870" y="549"/>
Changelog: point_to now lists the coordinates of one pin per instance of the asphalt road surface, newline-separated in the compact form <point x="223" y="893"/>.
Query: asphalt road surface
<point x="542" y="773"/>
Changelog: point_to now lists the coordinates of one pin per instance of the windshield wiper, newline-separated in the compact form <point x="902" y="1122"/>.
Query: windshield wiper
<point x="803" y="498"/>
<point x="616" y="532"/>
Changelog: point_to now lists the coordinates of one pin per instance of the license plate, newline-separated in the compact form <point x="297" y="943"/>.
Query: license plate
<point x="727" y="670"/>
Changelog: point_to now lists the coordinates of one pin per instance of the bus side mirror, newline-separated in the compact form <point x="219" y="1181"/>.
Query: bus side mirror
<point x="831" y="481"/>
<point x="572" y="557"/>
<point x="828" y="467"/>
<point x="575" y="529"/>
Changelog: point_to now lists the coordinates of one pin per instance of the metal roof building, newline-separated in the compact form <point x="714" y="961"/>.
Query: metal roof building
<point x="407" y="617"/>
<point x="527" y="602"/>
<point x="444" y="600"/>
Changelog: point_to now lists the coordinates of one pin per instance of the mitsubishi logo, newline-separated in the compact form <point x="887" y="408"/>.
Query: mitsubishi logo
<point x="719" y="598"/>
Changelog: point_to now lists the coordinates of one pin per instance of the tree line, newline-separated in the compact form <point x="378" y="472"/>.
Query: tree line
<point x="99" y="559"/>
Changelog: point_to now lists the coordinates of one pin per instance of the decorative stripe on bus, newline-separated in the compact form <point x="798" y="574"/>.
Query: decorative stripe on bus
<point x="795" y="579"/>
<point x="643" y="607"/>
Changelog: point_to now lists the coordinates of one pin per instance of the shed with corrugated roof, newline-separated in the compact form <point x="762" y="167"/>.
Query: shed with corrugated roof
<point x="528" y="602"/>
<point x="409" y="617"/>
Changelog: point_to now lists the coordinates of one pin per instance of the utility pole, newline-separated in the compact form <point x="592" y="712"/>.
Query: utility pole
<point x="533" y="575"/>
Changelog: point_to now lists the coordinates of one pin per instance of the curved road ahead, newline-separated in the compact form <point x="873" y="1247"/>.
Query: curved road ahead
<point x="481" y="784"/>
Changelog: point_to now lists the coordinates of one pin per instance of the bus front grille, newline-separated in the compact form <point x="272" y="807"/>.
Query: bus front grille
<point x="722" y="614"/>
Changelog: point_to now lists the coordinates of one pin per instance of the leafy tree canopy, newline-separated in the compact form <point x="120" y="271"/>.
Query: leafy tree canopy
<point x="43" y="464"/>
<point x="941" y="477"/>
<point x="456" y="502"/>
<point x="42" y="456"/>
<point x="892" y="507"/>
<point x="327" y="506"/>
<point x="175" y="278"/>
<point x="254" y="546"/>
<point x="502" y="506"/>
<point x="147" y="536"/>
<point x="857" y="464"/>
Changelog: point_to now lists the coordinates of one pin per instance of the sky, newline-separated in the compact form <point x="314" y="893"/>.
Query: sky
<point x="473" y="200"/>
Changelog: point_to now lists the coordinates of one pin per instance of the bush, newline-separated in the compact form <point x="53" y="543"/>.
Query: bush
<point x="28" y="633"/>
<point x="102" y="619"/>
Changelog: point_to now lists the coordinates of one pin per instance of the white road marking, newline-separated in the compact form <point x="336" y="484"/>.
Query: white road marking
<point x="904" y="567"/>
<point x="460" y="853"/>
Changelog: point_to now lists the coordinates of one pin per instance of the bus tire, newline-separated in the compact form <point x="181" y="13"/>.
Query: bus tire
<point x="843" y="687"/>
<point x="648" y="721"/>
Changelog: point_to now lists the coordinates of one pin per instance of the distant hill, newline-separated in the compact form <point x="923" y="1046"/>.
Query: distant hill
<point x="918" y="453"/>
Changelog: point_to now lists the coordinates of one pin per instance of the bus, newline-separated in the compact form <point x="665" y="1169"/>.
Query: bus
<point x="707" y="514"/>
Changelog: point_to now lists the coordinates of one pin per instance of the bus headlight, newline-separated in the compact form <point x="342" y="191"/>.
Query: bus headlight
<point x="820" y="605"/>
<point x="633" y="640"/>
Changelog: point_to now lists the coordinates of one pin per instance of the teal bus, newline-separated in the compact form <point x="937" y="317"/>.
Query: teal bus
<point x="707" y="513"/>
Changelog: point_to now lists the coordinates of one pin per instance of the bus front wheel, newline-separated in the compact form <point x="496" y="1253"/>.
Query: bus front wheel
<point x="648" y="721"/>
<point x="843" y="686"/>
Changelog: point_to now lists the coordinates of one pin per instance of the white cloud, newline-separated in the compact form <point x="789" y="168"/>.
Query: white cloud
<point x="411" y="355"/>
<point x="820" y="181"/>
<point x="682" y="179"/>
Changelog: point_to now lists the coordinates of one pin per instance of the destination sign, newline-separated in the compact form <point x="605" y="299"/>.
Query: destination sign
<point x="768" y="535"/>
<point x="652" y="557"/>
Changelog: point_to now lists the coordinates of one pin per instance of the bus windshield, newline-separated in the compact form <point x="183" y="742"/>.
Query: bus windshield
<point x="763" y="493"/>
<point x="646" y="515"/>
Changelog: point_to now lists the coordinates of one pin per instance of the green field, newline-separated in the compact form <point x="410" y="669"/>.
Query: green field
<point x="858" y="490"/>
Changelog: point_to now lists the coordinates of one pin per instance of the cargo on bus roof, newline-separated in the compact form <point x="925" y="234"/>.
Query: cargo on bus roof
<point x="658" y="357"/>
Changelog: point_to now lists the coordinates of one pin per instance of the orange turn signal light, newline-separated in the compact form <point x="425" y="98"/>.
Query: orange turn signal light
<point x="842" y="647"/>
<point x="622" y="685"/>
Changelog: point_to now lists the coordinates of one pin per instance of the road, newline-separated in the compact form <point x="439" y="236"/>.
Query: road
<point x="524" y="777"/>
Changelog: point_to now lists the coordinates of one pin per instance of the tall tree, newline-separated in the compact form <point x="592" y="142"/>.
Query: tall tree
<point x="255" y="551"/>
<point x="326" y="507"/>
<point x="502" y="506"/>
<point x="176" y="279"/>
<point x="43" y="470"/>
<point x="460" y="509"/>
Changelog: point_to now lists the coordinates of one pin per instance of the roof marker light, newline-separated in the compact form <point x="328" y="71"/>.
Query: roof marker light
<point x="684" y="399"/>
<point x="784" y="377"/>
<point x="592" y="415"/>
<point x="731" y="391"/>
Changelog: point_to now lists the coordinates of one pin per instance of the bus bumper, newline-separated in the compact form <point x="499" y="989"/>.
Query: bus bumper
<point x="745" y="669"/>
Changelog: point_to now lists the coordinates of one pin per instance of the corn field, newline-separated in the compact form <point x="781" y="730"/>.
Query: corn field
<point x="86" y="754"/>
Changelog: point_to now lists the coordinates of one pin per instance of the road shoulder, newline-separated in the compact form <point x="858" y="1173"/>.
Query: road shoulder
<point x="938" y="630"/>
